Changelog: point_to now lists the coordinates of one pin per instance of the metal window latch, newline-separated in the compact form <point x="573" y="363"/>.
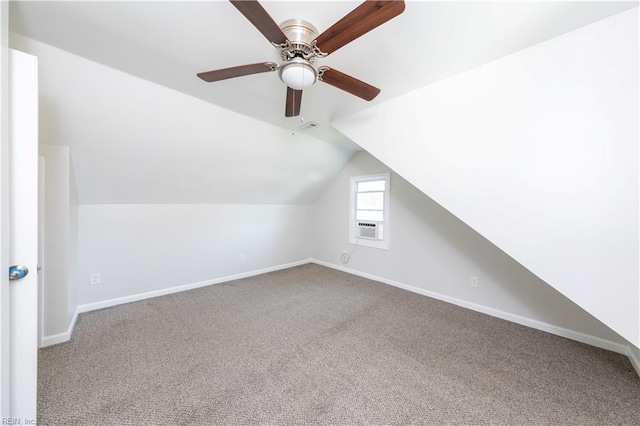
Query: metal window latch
<point x="17" y="272"/>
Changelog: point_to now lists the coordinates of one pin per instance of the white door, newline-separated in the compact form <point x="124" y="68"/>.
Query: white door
<point x="23" y="235"/>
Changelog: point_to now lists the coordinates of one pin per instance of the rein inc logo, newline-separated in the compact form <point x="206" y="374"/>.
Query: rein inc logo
<point x="17" y="421"/>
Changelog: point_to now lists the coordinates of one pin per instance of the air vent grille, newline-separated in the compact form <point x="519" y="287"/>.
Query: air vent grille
<point x="307" y="126"/>
<point x="367" y="230"/>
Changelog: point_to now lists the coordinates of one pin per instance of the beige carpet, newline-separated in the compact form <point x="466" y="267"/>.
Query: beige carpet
<point x="310" y="345"/>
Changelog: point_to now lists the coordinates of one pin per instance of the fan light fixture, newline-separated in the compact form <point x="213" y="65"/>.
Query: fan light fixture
<point x="298" y="74"/>
<point x="299" y="44"/>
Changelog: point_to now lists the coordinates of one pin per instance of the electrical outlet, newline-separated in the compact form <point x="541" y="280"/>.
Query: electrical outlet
<point x="474" y="282"/>
<point x="94" y="278"/>
<point x="243" y="257"/>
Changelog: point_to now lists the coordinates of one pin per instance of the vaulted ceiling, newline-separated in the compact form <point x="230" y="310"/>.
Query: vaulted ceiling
<point x="118" y="86"/>
<point x="169" y="42"/>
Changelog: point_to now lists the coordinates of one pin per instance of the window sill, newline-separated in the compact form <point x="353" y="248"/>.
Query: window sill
<point x="370" y="243"/>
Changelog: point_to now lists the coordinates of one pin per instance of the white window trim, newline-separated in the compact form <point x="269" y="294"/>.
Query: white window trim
<point x="385" y="243"/>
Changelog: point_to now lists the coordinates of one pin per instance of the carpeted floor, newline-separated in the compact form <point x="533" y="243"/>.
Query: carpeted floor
<point x="310" y="345"/>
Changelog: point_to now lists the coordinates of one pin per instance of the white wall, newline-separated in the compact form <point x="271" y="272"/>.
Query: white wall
<point x="433" y="250"/>
<point x="144" y="248"/>
<point x="538" y="152"/>
<point x="72" y="302"/>
<point x="60" y="240"/>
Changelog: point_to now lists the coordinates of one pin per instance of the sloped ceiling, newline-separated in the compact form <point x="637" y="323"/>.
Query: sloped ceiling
<point x="136" y="142"/>
<point x="169" y="42"/>
<point x="119" y="86"/>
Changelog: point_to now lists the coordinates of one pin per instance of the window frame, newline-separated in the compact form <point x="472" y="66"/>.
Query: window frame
<point x="353" y="222"/>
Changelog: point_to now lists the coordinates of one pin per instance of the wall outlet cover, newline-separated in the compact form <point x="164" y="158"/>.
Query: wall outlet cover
<point x="94" y="278"/>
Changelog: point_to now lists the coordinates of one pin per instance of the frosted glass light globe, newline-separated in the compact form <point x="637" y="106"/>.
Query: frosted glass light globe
<point x="298" y="74"/>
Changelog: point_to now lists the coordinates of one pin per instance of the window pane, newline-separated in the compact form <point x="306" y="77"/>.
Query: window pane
<point x="370" y="215"/>
<point x="372" y="185"/>
<point x="370" y="201"/>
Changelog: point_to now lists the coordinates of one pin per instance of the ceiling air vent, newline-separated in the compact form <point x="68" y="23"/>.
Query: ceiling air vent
<point x="307" y="126"/>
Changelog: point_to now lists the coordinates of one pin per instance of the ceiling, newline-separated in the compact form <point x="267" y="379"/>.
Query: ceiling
<point x="169" y="42"/>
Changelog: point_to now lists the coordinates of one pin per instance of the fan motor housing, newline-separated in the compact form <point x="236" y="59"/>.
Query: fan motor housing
<point x="301" y="34"/>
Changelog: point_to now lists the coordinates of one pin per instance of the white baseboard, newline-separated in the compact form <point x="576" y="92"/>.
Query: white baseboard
<point x="61" y="337"/>
<point x="635" y="362"/>
<point x="66" y="336"/>
<point x="559" y="331"/>
<point x="162" y="292"/>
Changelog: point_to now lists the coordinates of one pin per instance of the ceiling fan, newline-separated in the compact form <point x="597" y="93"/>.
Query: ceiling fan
<point x="300" y="45"/>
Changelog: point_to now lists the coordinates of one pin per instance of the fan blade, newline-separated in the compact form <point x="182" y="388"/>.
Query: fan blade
<point x="294" y="99"/>
<point x="255" y="13"/>
<point x="239" y="71"/>
<point x="349" y="84"/>
<point x="358" y="22"/>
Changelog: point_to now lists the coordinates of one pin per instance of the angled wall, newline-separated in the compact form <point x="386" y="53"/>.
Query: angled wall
<point x="434" y="253"/>
<point x="538" y="152"/>
<point x="137" y="142"/>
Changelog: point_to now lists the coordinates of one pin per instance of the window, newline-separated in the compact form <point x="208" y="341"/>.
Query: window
<point x="369" y="211"/>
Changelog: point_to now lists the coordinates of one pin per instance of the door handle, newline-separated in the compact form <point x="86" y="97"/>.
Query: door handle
<point x="17" y="272"/>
